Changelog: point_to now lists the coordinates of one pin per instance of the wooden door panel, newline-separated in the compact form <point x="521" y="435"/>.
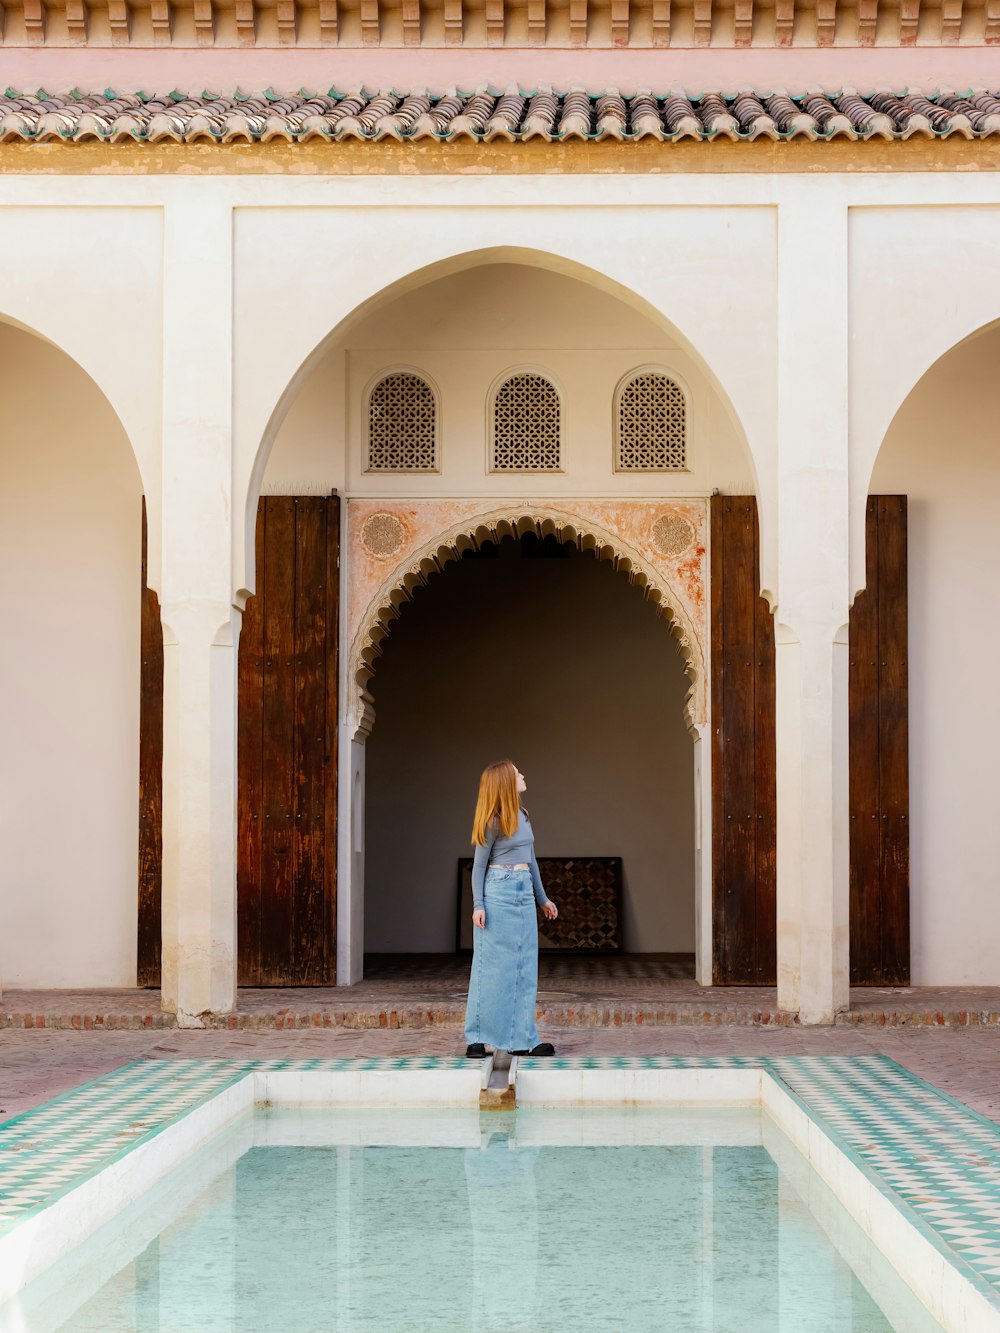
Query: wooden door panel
<point x="863" y="781"/>
<point x="765" y="782"/>
<point x="148" y="943"/>
<point x="286" y="848"/>
<point x="309" y="740"/>
<point x="894" y="786"/>
<point x="743" y="755"/>
<point x="287" y="765"/>
<point x="879" y="766"/>
<point x="739" y="859"/>
<point x="277" y="746"/>
<point x="250" y="773"/>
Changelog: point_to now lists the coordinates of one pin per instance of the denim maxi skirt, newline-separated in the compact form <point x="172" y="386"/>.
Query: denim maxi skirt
<point x="503" y="987"/>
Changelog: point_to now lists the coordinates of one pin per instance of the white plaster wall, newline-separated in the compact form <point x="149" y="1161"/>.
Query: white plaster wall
<point x="464" y="330"/>
<point x="83" y="262"/>
<point x="668" y="260"/>
<point x="561" y="666"/>
<point x="943" y="450"/>
<point x="70" y="543"/>
<point x="86" y="274"/>
<point x="909" y="305"/>
<point x="309" y="457"/>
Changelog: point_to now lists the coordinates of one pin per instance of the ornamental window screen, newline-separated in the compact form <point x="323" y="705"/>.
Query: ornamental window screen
<point x="525" y="424"/>
<point x="651" y="425"/>
<point x="402" y="425"/>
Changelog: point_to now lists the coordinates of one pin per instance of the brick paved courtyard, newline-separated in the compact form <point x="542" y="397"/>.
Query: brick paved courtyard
<point x="51" y="1041"/>
<point x="38" y="1064"/>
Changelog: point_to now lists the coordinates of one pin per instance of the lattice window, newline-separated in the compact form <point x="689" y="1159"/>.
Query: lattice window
<point x="651" y="424"/>
<point x="525" y="421"/>
<point x="402" y="425"/>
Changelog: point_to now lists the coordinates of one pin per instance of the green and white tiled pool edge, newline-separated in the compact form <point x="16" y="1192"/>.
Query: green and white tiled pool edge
<point x="46" y="1233"/>
<point x="219" y="1091"/>
<point x="74" y="1209"/>
<point x="954" y="1294"/>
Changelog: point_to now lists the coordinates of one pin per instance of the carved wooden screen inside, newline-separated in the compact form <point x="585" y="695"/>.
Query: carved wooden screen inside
<point x="743" y="752"/>
<point x="287" y="748"/>
<point x="588" y="890"/>
<point x="879" y="768"/>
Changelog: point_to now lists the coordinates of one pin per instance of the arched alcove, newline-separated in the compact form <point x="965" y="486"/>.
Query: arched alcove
<point x="528" y="643"/>
<point x="941" y="451"/>
<point x="70" y="589"/>
<point x="462" y="324"/>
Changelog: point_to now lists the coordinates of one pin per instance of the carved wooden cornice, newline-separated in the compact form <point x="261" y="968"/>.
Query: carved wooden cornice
<point x="601" y="24"/>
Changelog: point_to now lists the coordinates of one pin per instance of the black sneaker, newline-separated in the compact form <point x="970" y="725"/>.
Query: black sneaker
<point x="475" y="1051"/>
<point x="543" y="1048"/>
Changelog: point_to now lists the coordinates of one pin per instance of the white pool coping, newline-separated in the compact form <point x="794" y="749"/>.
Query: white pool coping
<point x="921" y="1258"/>
<point x="917" y="1255"/>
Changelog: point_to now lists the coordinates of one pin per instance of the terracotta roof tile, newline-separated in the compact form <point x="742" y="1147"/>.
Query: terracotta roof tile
<point x="486" y="115"/>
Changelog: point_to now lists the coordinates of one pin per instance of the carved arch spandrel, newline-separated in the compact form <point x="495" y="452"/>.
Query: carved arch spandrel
<point x="394" y="549"/>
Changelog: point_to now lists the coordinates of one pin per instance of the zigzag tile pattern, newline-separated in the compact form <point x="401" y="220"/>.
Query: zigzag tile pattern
<point x="59" y="1144"/>
<point x="485" y="116"/>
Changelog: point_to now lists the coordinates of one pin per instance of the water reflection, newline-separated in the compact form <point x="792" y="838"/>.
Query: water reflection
<point x="507" y="1246"/>
<point x="343" y="1223"/>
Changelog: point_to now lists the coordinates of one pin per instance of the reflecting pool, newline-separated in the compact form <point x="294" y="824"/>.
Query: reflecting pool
<point x="616" y="1221"/>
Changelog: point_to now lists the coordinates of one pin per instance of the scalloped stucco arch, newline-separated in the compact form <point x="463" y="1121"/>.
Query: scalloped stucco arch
<point x="492" y="525"/>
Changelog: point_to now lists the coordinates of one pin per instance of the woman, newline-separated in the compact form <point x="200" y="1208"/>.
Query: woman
<point x="505" y="887"/>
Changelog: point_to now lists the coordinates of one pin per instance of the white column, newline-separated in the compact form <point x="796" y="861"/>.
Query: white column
<point x="351" y="859"/>
<point x="812" y="612"/>
<point x="703" y="855"/>
<point x="200" y="626"/>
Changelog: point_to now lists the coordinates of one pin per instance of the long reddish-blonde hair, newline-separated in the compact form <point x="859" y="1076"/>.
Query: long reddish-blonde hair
<point x="498" y="800"/>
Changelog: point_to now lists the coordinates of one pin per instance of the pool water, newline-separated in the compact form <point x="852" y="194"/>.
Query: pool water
<point x="383" y="1222"/>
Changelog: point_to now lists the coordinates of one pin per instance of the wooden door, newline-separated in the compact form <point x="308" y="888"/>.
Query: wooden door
<point x="287" y="748"/>
<point x="150" y="779"/>
<point x="879" y="768"/>
<point x="743" y="752"/>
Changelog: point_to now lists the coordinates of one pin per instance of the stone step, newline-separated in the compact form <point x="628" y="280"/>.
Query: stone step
<point x="112" y="1016"/>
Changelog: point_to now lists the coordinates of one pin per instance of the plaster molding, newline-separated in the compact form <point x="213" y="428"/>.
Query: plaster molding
<point x="358" y="158"/>
<point x="380" y="578"/>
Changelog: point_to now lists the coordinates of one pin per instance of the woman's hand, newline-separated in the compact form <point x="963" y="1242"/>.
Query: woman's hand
<point x="479" y="918"/>
<point x="550" y="911"/>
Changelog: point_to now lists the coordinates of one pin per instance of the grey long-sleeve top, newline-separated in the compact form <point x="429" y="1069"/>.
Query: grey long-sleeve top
<point x="498" y="850"/>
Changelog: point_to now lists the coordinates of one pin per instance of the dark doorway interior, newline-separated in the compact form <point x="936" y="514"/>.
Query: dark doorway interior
<point x="536" y="651"/>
